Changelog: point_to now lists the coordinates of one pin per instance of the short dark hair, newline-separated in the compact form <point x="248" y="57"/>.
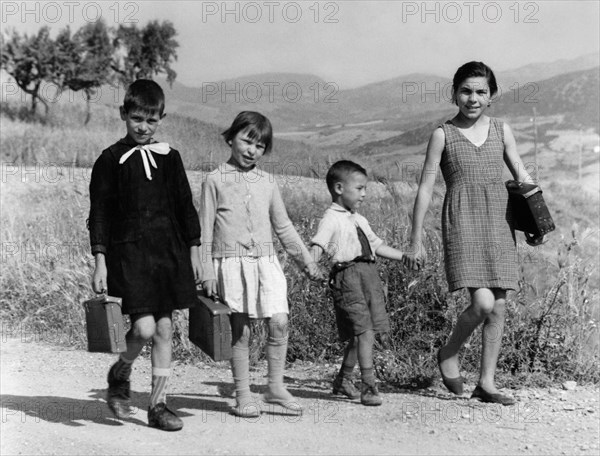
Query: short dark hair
<point x="339" y="171"/>
<point x="259" y="128"/>
<point x="144" y="95"/>
<point x="474" y="70"/>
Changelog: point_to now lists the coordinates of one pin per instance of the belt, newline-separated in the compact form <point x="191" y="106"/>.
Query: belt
<point x="341" y="265"/>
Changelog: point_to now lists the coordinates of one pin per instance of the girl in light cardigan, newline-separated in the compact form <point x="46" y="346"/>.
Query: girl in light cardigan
<point x="240" y="207"/>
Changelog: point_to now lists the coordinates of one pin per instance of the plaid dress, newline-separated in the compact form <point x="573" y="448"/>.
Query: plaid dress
<point x="479" y="246"/>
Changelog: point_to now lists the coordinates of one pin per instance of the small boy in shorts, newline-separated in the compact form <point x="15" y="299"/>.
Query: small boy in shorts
<point x="359" y="301"/>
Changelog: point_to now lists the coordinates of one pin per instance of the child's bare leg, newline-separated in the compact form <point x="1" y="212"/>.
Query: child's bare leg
<point x="276" y="353"/>
<point x="159" y="415"/>
<point x="493" y="328"/>
<point x="365" y="356"/>
<point x="482" y="303"/>
<point x="161" y="358"/>
<point x="240" y="366"/>
<point x="350" y="358"/>
<point x="143" y="327"/>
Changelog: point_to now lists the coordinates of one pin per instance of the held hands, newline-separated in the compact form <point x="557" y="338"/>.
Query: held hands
<point x="414" y="256"/>
<point x="313" y="271"/>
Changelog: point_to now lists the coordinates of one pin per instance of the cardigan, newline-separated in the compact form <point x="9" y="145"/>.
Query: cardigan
<point x="239" y="211"/>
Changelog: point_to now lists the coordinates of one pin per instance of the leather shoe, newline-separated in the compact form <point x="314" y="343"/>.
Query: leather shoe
<point x="163" y="418"/>
<point x="455" y="384"/>
<point x="369" y="395"/>
<point x="344" y="386"/>
<point x="118" y="395"/>
<point x="492" y="398"/>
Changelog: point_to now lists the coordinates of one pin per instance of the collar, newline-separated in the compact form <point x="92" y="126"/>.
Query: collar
<point x="229" y="168"/>
<point x="339" y="208"/>
<point x="146" y="152"/>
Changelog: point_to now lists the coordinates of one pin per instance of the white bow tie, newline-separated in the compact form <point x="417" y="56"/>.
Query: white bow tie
<point x="145" y="150"/>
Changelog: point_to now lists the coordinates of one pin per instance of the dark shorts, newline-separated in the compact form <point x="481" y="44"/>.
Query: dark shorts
<point x="358" y="300"/>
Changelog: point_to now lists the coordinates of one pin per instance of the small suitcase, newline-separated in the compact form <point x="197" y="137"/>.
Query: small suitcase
<point x="210" y="328"/>
<point x="104" y="324"/>
<point x="528" y="210"/>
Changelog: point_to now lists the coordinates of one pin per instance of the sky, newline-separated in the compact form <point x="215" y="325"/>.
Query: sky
<point x="349" y="43"/>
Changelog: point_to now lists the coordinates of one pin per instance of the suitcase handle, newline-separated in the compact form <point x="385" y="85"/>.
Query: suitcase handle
<point x="515" y="185"/>
<point x="531" y="192"/>
<point x="104" y="299"/>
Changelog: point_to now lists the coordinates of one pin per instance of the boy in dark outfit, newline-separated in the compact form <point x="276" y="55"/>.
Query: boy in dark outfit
<point x="145" y="237"/>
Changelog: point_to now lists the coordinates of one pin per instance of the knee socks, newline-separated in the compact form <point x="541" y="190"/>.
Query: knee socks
<point x="276" y="353"/>
<point x="160" y="381"/>
<point x="121" y="370"/>
<point x="367" y="375"/>
<point x="240" y="368"/>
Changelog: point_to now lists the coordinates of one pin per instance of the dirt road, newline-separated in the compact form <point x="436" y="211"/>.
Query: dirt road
<point x="52" y="402"/>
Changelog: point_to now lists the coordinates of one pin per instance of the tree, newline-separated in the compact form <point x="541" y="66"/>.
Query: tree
<point x="31" y="60"/>
<point x="86" y="59"/>
<point x="144" y="53"/>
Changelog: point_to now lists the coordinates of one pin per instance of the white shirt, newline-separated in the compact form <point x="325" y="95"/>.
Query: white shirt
<point x="338" y="237"/>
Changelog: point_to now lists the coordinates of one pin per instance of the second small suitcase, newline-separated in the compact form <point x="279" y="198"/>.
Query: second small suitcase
<point x="210" y="328"/>
<point x="104" y="325"/>
<point x="528" y="210"/>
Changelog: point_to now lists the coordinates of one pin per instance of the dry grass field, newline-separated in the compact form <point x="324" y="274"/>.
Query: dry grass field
<point x="552" y="329"/>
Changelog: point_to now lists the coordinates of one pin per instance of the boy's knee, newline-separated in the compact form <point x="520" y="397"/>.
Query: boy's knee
<point x="164" y="330"/>
<point x="367" y="336"/>
<point x="144" y="328"/>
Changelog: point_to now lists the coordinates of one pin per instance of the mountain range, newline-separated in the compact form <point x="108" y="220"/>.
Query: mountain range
<point x="299" y="102"/>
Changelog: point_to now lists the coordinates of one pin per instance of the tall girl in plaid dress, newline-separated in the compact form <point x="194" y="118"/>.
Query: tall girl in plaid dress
<point x="240" y="207"/>
<point x="479" y="245"/>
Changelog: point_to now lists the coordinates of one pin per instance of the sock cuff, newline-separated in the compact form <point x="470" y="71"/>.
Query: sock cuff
<point x="346" y="370"/>
<point x="125" y="360"/>
<point x="277" y="340"/>
<point x="367" y="374"/>
<point x="161" y="372"/>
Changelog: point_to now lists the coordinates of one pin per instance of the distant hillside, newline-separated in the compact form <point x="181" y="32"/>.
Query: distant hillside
<point x="574" y="95"/>
<point x="289" y="100"/>
<point x="301" y="101"/>
<point x="377" y="123"/>
<point x="297" y="102"/>
<point x="414" y="137"/>
<point x="547" y="70"/>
